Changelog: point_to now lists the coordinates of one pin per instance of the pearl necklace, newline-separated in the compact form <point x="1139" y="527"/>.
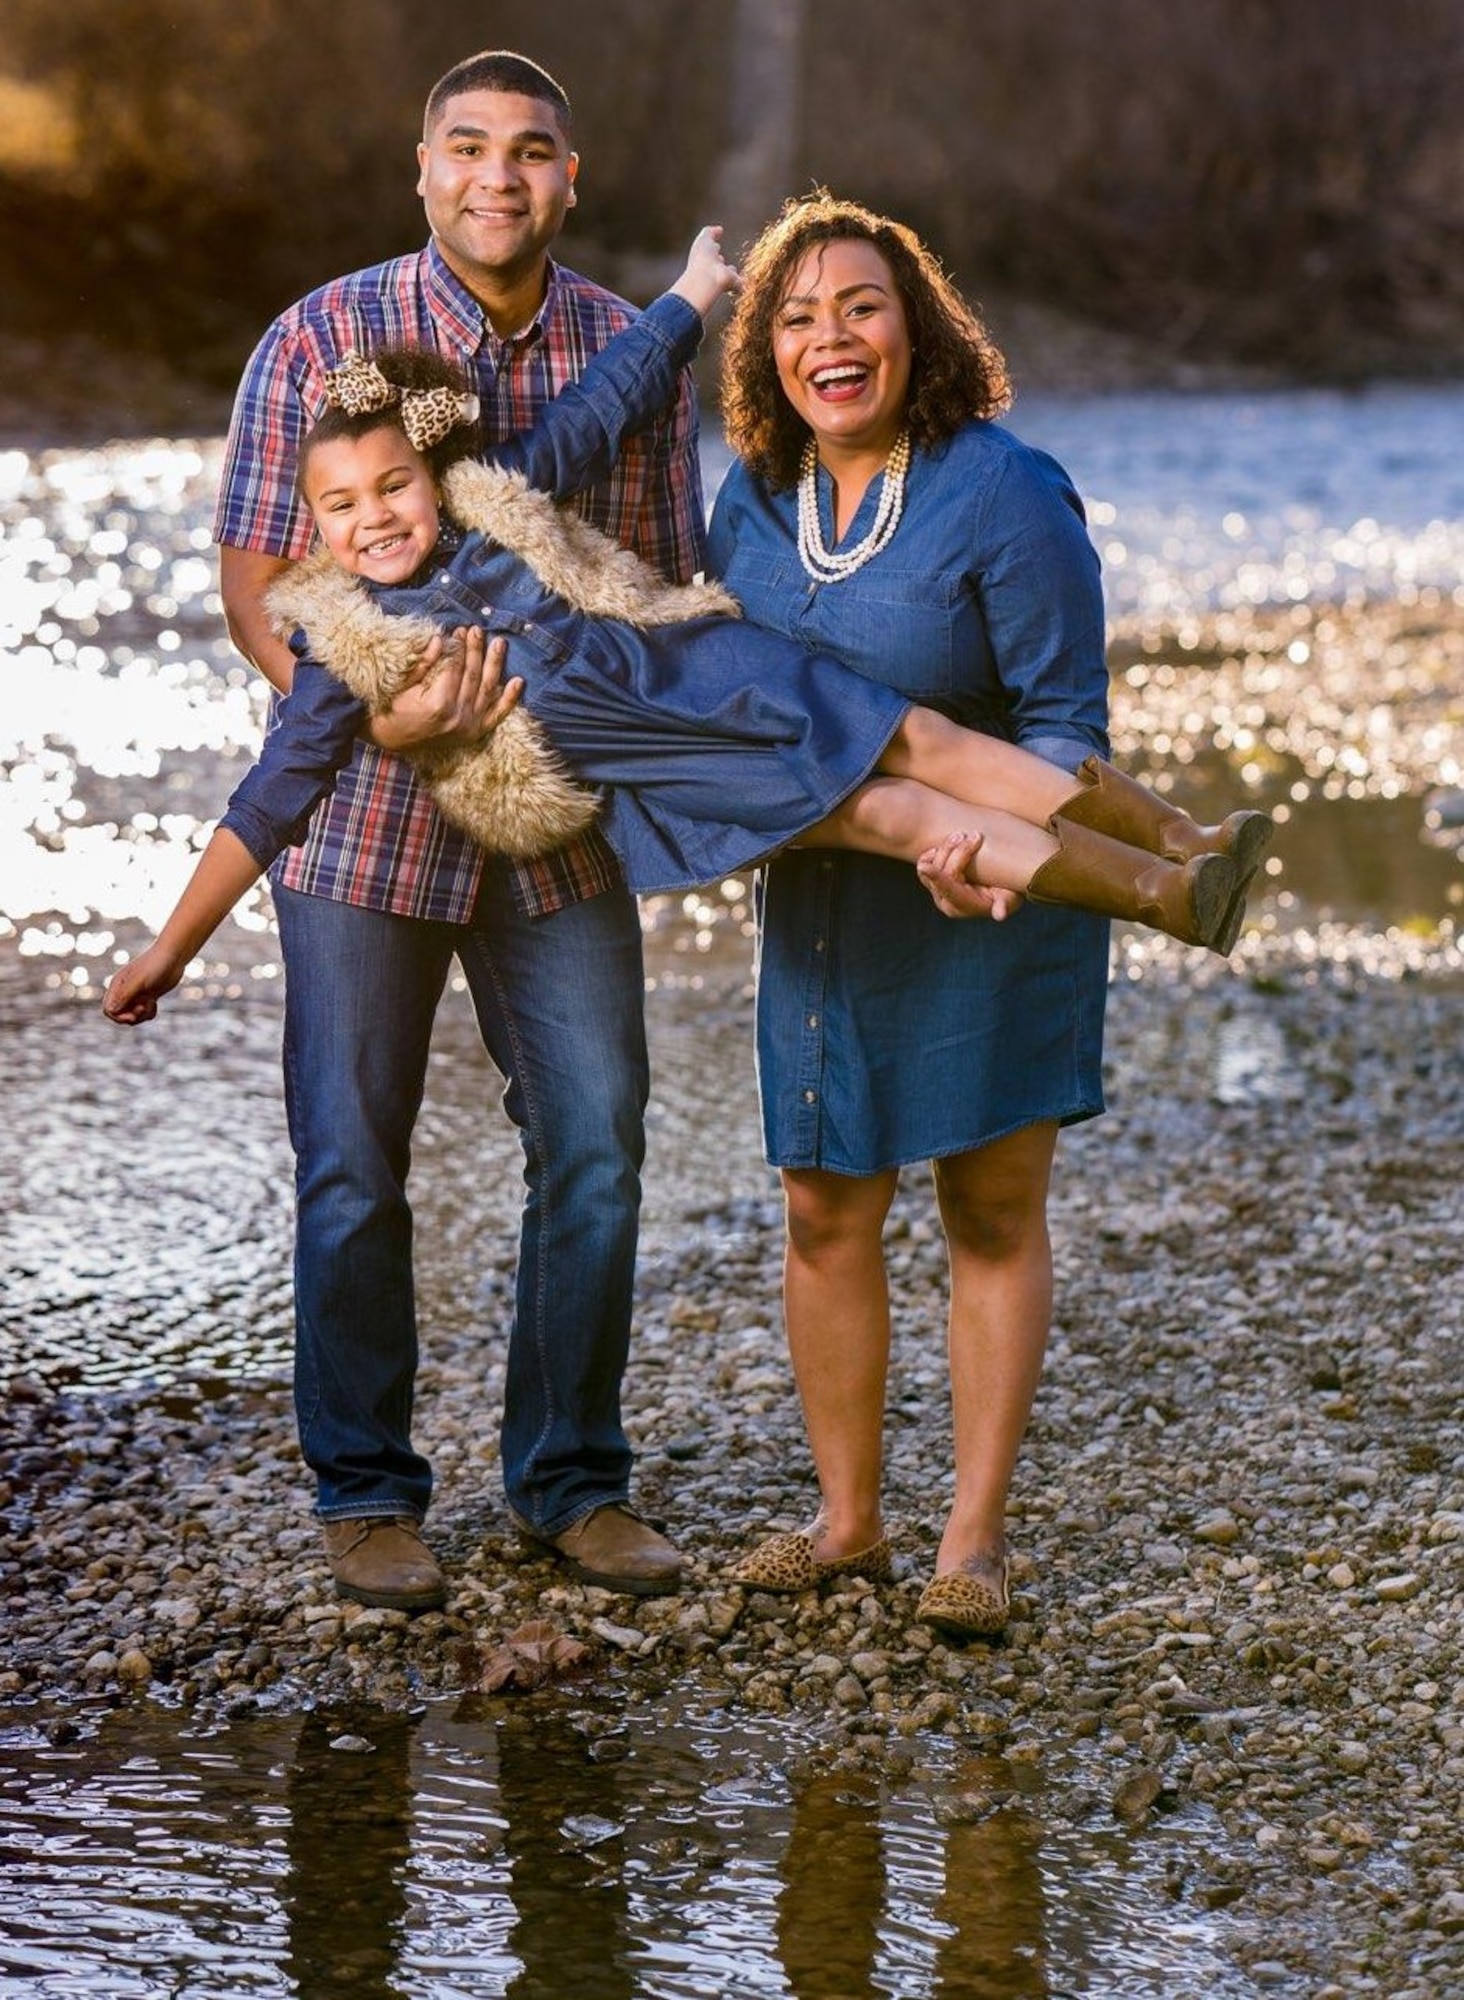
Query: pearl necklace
<point x="826" y="566"/>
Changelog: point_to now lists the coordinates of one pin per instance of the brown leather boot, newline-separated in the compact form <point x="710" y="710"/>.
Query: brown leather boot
<point x="1189" y="900"/>
<point x="1120" y="806"/>
<point x="380" y="1559"/>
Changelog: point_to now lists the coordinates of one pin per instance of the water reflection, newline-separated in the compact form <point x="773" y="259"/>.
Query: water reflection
<point x="828" y="1943"/>
<point x="972" y="1895"/>
<point x="349" y="1841"/>
<point x="990" y="1914"/>
<point x="535" y="1849"/>
<point x="565" y="1844"/>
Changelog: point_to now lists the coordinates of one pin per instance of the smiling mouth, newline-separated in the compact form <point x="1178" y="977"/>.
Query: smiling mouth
<point x="839" y="383"/>
<point x="378" y="551"/>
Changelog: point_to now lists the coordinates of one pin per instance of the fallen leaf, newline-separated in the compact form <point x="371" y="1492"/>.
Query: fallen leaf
<point x="535" y="1653"/>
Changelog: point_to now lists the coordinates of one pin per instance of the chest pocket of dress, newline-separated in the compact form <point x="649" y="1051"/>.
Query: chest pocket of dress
<point x="918" y="631"/>
<point x="768" y="589"/>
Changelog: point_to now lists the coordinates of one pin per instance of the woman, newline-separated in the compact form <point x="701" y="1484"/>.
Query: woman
<point x="887" y="1035"/>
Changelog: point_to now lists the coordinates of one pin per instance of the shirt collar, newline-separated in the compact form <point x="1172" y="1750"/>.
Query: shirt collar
<point x="456" y="308"/>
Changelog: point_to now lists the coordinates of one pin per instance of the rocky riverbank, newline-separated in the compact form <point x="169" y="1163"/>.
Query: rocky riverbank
<point x="1238" y="1523"/>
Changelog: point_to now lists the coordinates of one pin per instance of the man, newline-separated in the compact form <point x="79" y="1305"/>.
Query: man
<point x="383" y="894"/>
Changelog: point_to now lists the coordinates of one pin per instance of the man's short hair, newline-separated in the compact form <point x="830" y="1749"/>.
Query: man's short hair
<point x="502" y="70"/>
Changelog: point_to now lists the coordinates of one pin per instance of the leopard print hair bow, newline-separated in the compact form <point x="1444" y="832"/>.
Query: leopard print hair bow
<point x="428" y="415"/>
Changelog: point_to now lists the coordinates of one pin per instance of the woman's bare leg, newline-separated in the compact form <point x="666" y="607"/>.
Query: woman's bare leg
<point x="836" y="1306"/>
<point x="982" y="770"/>
<point x="993" y="1203"/>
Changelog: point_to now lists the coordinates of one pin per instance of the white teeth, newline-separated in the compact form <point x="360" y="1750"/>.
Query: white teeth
<point x="826" y="377"/>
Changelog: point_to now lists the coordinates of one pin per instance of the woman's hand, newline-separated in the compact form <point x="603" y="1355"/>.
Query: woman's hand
<point x="707" y="274"/>
<point x="455" y="695"/>
<point x="942" y="870"/>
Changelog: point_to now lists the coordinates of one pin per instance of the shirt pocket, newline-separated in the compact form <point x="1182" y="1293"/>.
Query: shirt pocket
<point x="920" y="632"/>
<point x="915" y="630"/>
<point x="534" y="645"/>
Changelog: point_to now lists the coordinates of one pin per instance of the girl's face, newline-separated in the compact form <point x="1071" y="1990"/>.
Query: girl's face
<point x="375" y="504"/>
<point x="841" y="346"/>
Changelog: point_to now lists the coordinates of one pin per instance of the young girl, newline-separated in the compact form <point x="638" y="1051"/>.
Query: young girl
<point x="718" y="742"/>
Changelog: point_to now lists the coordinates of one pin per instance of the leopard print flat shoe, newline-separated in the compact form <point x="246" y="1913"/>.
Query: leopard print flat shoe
<point x="790" y="1563"/>
<point x="972" y="1602"/>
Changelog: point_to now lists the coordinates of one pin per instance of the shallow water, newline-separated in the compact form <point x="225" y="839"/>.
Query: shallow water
<point x="128" y="717"/>
<point x="543" y="1849"/>
<point x="482" y="1848"/>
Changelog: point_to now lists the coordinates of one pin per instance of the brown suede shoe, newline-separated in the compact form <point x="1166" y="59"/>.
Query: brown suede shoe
<point x="380" y="1559"/>
<point x="616" y="1549"/>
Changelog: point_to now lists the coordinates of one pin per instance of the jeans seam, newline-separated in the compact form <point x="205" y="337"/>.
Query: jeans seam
<point x="533" y="1131"/>
<point x="305" y="1420"/>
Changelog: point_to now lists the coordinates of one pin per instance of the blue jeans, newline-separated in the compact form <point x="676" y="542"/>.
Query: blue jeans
<point x="559" y="1001"/>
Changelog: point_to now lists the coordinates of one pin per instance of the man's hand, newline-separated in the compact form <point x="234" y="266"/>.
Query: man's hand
<point x="456" y="696"/>
<point x="943" y="871"/>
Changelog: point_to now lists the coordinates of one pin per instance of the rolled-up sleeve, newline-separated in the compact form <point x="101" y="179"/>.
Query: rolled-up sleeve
<point x="1042" y="600"/>
<point x="313" y="739"/>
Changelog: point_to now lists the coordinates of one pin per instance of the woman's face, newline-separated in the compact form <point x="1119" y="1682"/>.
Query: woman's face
<point x="841" y="346"/>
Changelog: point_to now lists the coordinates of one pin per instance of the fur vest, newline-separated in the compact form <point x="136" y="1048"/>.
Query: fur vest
<point x="509" y="790"/>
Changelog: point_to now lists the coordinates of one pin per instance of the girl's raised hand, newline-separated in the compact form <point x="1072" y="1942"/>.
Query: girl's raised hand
<point x="708" y="274"/>
<point x="133" y="994"/>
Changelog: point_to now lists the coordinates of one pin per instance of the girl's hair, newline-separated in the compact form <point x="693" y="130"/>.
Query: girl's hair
<point x="956" y="370"/>
<point x="406" y="369"/>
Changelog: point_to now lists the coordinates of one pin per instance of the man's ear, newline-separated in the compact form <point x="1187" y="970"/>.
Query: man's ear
<point x="571" y="198"/>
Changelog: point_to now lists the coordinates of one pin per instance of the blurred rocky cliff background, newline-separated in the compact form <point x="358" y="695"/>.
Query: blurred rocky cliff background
<point x="1276" y="185"/>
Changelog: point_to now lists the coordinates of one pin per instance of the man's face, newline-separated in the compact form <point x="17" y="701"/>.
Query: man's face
<point x="497" y="176"/>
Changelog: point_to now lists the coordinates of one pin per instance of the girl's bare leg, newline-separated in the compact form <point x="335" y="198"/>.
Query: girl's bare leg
<point x="980" y="769"/>
<point x="1197" y="901"/>
<point x="993" y="1203"/>
<point x="836" y="1306"/>
<point x="902" y="819"/>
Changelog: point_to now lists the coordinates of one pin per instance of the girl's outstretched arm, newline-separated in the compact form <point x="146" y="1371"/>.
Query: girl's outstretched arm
<point x="577" y="436"/>
<point x="225" y="870"/>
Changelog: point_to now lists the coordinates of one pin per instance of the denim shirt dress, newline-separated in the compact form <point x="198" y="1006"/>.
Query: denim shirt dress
<point x="887" y="1033"/>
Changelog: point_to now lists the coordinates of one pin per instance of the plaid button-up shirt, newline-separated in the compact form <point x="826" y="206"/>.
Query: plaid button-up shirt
<point x="379" y="840"/>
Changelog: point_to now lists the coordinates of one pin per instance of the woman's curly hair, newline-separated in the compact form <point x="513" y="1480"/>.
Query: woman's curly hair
<point x="956" y="370"/>
<point x="404" y="368"/>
